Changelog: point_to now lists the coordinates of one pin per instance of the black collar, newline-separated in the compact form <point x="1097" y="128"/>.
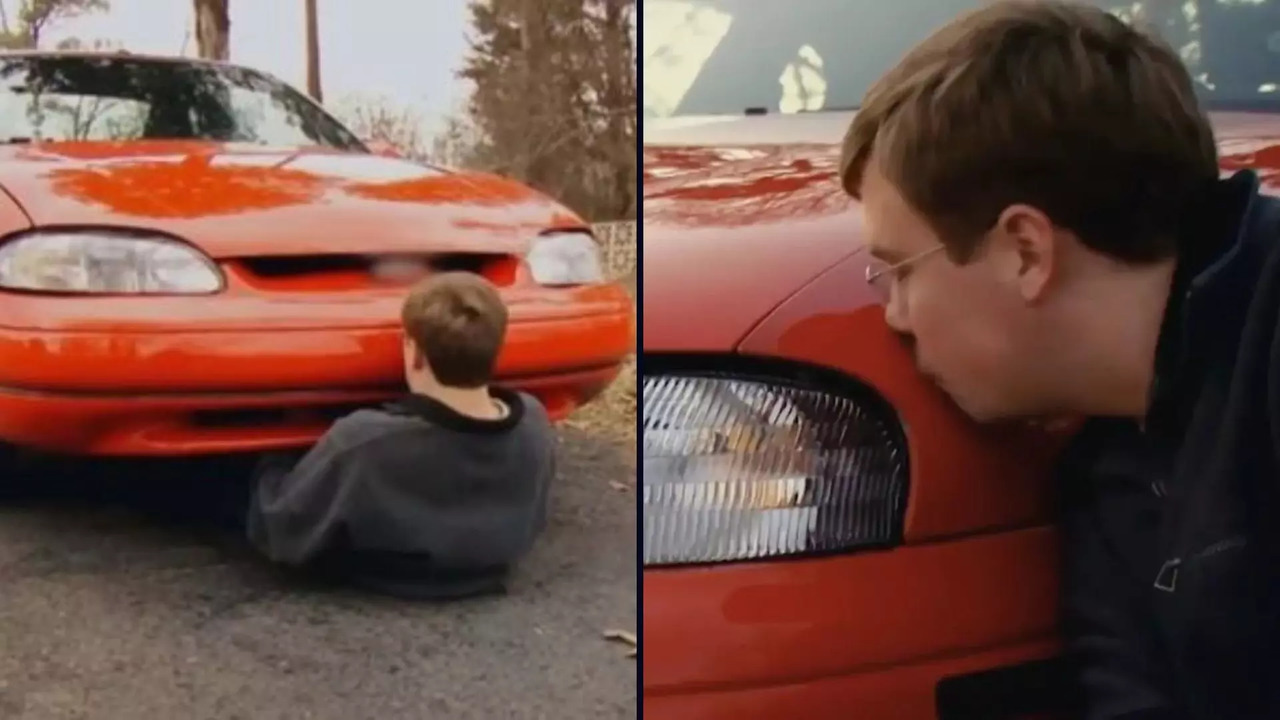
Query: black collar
<point x="437" y="413"/>
<point x="1214" y="255"/>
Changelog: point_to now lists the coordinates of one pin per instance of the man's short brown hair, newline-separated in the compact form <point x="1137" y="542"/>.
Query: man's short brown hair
<point x="458" y="322"/>
<point x="1058" y="105"/>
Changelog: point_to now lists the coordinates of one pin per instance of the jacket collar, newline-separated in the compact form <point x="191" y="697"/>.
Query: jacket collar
<point x="1228" y="275"/>
<point x="1219" y="261"/>
<point x="437" y="413"/>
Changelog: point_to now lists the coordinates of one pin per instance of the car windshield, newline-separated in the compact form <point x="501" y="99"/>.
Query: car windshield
<point x="50" y="98"/>
<point x="713" y="57"/>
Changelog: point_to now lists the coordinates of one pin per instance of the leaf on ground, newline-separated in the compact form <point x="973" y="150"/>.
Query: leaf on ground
<point x="621" y="636"/>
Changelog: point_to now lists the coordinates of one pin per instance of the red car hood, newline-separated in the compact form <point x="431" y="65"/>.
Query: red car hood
<point x="242" y="200"/>
<point x="741" y="212"/>
<point x="732" y="228"/>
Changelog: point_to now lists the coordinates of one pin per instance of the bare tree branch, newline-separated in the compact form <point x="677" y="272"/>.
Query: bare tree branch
<point x="376" y="118"/>
<point x="35" y="16"/>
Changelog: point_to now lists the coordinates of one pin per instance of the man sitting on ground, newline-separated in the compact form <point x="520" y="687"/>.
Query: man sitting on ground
<point x="435" y="494"/>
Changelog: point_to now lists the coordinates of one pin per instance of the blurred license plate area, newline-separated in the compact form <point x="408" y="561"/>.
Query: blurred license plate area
<point x="329" y="273"/>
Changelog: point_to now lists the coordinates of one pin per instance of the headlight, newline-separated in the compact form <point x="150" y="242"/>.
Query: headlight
<point x="565" y="258"/>
<point x="105" y="262"/>
<point x="739" y="468"/>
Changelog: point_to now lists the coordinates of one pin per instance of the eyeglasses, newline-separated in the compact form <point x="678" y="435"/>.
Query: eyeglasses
<point x="880" y="274"/>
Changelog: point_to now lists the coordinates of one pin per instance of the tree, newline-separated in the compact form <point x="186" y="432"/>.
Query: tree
<point x="554" y="99"/>
<point x="457" y="144"/>
<point x="379" y="118"/>
<point x="35" y="16"/>
<point x="213" y="29"/>
<point x="619" y="94"/>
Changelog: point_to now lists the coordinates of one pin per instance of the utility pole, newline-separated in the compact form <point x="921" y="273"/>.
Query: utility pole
<point x="213" y="29"/>
<point x="313" y="52"/>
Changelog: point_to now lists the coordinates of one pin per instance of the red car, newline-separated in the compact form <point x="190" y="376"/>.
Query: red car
<point x="825" y="536"/>
<point x="196" y="258"/>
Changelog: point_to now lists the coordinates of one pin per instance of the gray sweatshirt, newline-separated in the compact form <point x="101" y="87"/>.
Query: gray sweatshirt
<point x="412" y="498"/>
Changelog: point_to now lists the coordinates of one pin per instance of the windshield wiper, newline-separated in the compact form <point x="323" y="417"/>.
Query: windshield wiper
<point x="15" y="141"/>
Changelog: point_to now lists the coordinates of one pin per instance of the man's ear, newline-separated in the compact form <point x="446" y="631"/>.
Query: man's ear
<point x="1028" y="239"/>
<point x="419" y="361"/>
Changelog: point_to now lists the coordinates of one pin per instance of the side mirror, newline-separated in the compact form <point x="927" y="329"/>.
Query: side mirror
<point x="384" y="148"/>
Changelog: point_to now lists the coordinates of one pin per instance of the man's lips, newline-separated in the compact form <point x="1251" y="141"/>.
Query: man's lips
<point x="909" y="343"/>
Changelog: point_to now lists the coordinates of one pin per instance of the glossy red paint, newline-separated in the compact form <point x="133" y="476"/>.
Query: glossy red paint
<point x="749" y="208"/>
<point x="264" y="363"/>
<point x="183" y="423"/>
<point x="816" y="638"/>
<point x="235" y="201"/>
<point x="12" y="219"/>
<point x="904" y="691"/>
<point x="729" y="234"/>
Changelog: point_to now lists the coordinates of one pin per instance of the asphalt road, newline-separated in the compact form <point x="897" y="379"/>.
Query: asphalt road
<point x="120" y="599"/>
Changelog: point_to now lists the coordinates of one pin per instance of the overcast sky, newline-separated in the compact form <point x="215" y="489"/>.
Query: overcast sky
<point x="406" y="49"/>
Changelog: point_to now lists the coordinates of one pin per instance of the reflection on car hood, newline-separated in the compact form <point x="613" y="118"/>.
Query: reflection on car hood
<point x="1250" y="140"/>
<point x="239" y="200"/>
<point x="747" y="209"/>
<point x="746" y="223"/>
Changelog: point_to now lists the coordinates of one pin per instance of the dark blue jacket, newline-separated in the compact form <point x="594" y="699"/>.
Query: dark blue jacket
<point x="1172" y="532"/>
<point x="412" y="499"/>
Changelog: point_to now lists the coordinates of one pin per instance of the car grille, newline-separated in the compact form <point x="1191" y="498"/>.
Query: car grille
<point x="329" y="272"/>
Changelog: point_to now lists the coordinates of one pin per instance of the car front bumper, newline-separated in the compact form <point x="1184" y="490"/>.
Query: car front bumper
<point x="868" y="635"/>
<point x="195" y="392"/>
